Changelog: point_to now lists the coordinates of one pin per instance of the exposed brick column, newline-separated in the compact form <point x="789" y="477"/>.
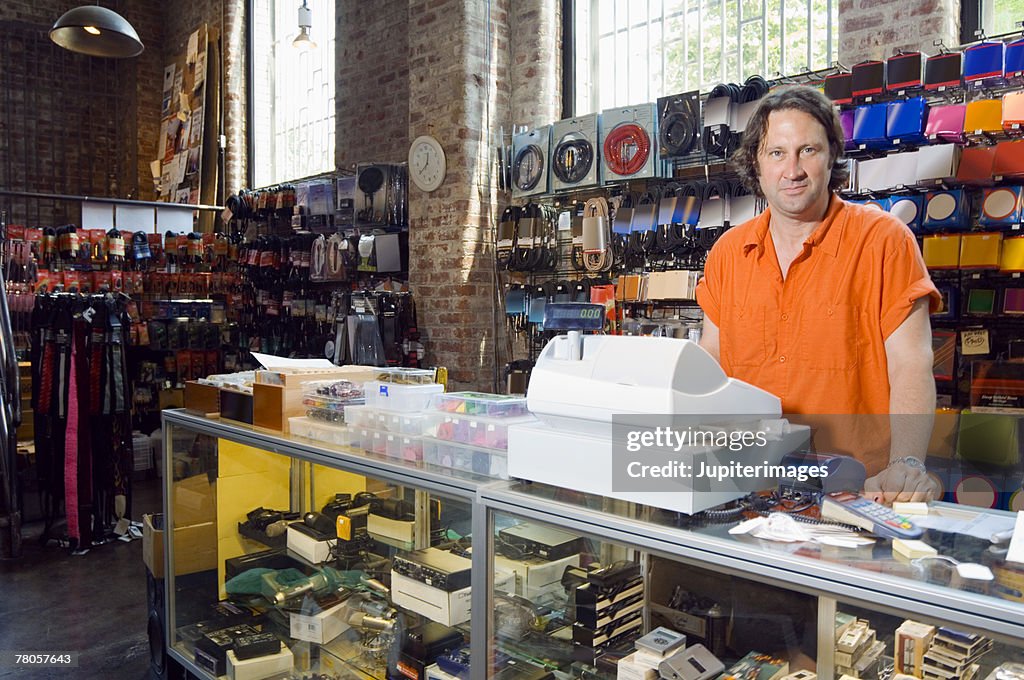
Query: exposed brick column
<point x="372" y="78"/>
<point x="235" y="96"/>
<point x="536" y="62"/>
<point x="458" y="93"/>
<point x="872" y="29"/>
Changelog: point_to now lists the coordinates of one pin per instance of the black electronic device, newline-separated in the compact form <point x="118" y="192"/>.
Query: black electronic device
<point x="434" y="567"/>
<point x="868" y="78"/>
<point x="904" y="71"/>
<point x="212" y="649"/>
<point x="536" y="540"/>
<point x="831" y="473"/>
<point x="321" y="523"/>
<point x="275" y="558"/>
<point x="421" y="646"/>
<point x="252" y="646"/>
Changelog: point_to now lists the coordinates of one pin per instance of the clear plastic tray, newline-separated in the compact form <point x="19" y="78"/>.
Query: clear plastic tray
<point x="327" y="415"/>
<point x="475" y="459"/>
<point x="491" y="433"/>
<point x="402" y="447"/>
<point x="404" y="398"/>
<point x="411" y="424"/>
<point x="406" y="376"/>
<point x="481" y="404"/>
<point x="332" y="394"/>
<point x="360" y="415"/>
<point x="303" y="426"/>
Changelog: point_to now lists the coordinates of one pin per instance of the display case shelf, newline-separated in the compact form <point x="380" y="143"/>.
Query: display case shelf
<point x="520" y="594"/>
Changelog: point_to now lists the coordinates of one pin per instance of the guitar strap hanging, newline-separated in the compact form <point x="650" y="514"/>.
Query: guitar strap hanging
<point x="114" y="394"/>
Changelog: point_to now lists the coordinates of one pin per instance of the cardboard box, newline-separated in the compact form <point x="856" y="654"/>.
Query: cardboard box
<point x="277" y="395"/>
<point x="194" y="501"/>
<point x="195" y="547"/>
<point x="260" y="666"/>
<point x="321" y="627"/>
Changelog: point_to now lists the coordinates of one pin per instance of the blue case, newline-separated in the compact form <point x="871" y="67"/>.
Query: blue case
<point x="984" y="60"/>
<point x="1014" y="59"/>
<point x="950" y="298"/>
<point x="869" y="125"/>
<point x="908" y="209"/>
<point x="1000" y="206"/>
<point x="946" y="210"/>
<point x="905" y="119"/>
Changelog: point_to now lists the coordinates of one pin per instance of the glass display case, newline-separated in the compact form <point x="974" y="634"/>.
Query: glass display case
<point x="410" y="569"/>
<point x="296" y="558"/>
<point x="612" y="589"/>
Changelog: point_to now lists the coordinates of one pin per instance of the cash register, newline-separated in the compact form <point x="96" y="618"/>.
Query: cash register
<point x="581" y="381"/>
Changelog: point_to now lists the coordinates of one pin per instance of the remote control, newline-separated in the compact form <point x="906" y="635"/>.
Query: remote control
<point x="850" y="508"/>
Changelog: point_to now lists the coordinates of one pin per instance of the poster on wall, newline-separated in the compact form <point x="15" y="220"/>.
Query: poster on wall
<point x="180" y="149"/>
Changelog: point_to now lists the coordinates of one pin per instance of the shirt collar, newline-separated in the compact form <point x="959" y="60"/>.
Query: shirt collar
<point x="825" y="236"/>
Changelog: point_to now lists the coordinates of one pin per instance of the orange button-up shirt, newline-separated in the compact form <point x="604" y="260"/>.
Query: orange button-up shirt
<point x="816" y="339"/>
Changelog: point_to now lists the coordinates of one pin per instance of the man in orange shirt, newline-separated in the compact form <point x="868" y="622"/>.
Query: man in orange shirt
<point x="825" y="303"/>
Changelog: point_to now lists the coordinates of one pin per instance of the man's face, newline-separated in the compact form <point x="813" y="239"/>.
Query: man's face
<point x="794" y="165"/>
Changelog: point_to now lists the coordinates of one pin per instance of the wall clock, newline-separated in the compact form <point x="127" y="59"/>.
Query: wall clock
<point x="426" y="163"/>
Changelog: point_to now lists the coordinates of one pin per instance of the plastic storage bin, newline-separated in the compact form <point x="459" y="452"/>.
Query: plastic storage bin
<point x="323" y="396"/>
<point x="406" y="376"/>
<point x="360" y="415"/>
<point x="404" y="398"/>
<point x="401" y="423"/>
<point x="485" y="431"/>
<point x="402" y="447"/>
<point x="475" y="459"/>
<point x="310" y="428"/>
<point x="481" y="404"/>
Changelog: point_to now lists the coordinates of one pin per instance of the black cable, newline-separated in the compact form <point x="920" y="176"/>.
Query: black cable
<point x="572" y="159"/>
<point x="755" y="87"/>
<point x="679" y="128"/>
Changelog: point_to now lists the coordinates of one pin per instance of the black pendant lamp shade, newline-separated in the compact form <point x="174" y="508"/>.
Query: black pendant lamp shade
<point x="96" y="31"/>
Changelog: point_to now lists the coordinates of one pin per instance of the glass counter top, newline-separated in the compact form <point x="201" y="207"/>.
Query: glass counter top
<point x="871" y="573"/>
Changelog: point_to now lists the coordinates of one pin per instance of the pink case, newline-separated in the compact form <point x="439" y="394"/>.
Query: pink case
<point x="946" y="123"/>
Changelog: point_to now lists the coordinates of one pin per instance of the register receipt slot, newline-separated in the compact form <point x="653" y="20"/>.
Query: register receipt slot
<point x="580" y="382"/>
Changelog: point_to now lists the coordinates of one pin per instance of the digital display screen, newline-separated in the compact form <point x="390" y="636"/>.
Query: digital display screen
<point x="904" y="70"/>
<point x="573" y="316"/>
<point x="697" y="664"/>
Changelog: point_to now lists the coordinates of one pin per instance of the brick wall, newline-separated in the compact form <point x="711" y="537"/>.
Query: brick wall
<point x="372" y="80"/>
<point x="872" y="29"/>
<point x="536" y="62"/>
<point x="74" y="124"/>
<point x="459" y="93"/>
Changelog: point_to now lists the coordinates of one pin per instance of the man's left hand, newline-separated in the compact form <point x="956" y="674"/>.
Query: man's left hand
<point x="901" y="483"/>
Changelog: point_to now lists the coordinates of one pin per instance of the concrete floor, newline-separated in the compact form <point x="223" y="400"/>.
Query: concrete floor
<point x="94" y="604"/>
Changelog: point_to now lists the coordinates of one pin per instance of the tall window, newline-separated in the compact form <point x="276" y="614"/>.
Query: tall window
<point x="634" y="51"/>
<point x="293" y="92"/>
<point x="1001" y="17"/>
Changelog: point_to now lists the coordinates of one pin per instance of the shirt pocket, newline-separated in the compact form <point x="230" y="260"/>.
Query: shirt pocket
<point x="744" y="345"/>
<point x="830" y="338"/>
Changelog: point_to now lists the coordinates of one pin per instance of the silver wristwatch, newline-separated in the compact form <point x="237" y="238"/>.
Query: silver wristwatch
<point x="909" y="461"/>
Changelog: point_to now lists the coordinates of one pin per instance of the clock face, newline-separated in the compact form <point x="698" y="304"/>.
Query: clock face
<point x="426" y="163"/>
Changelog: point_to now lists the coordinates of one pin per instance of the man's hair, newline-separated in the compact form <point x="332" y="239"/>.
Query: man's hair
<point x="797" y="98"/>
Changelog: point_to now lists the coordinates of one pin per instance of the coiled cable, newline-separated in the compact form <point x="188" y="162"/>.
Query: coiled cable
<point x="626" y="149"/>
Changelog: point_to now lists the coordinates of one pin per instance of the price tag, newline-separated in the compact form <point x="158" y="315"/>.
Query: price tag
<point x="974" y="342"/>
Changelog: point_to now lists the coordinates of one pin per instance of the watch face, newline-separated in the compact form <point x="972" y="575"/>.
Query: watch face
<point x="426" y="163"/>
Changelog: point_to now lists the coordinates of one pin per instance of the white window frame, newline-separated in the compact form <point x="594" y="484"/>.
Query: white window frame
<point x="292" y="112"/>
<point x="594" y="76"/>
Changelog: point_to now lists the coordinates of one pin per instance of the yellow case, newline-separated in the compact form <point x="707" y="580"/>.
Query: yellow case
<point x="980" y="250"/>
<point x="984" y="115"/>
<point x="1012" y="258"/>
<point x="942" y="251"/>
